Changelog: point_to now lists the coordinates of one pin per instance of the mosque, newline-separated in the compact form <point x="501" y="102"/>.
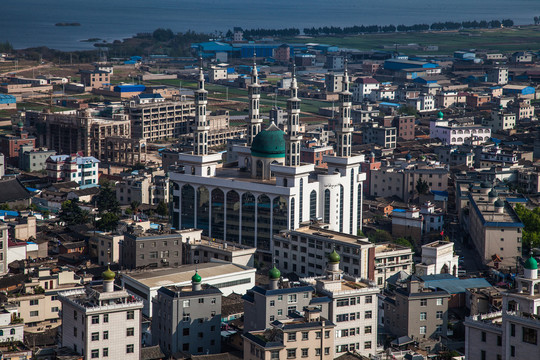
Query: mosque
<point x="268" y="190"/>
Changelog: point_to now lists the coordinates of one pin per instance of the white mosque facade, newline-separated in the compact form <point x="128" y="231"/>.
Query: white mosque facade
<point x="269" y="190"/>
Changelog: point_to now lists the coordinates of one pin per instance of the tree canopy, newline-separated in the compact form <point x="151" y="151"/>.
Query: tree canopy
<point x="106" y="199"/>
<point x="422" y="187"/>
<point x="72" y="214"/>
<point x="531" y="220"/>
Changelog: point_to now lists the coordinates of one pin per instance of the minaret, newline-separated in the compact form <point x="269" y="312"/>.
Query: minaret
<point x="292" y="157"/>
<point x="344" y="127"/>
<point x="200" y="133"/>
<point x="254" y="119"/>
<point x="274" y="274"/>
<point x="108" y="276"/>
<point x="196" y="282"/>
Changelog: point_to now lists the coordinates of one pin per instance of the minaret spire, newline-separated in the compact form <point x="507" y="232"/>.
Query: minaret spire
<point x="254" y="119"/>
<point x="293" y="137"/>
<point x="200" y="135"/>
<point x="344" y="127"/>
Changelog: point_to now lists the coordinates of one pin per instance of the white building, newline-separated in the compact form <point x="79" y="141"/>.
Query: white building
<point x="353" y="308"/>
<point x="498" y="75"/>
<point x="217" y="73"/>
<point x="500" y="120"/>
<point x="363" y="87"/>
<point x="424" y="102"/>
<point x="10" y="331"/>
<point x="454" y="134"/>
<point x="390" y="259"/>
<point x="84" y="170"/>
<point x="438" y="258"/>
<point x="225" y="276"/>
<point x="270" y="190"/>
<point x="102" y="321"/>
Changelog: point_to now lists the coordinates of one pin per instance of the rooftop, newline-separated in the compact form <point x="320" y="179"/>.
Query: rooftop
<point x="329" y="234"/>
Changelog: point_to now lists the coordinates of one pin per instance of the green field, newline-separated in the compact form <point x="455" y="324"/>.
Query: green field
<point x="508" y="39"/>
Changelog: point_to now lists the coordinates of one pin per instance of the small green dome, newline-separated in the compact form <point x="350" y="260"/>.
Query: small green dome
<point x="274" y="273"/>
<point x="440" y="115"/>
<point x="269" y="143"/>
<point x="196" y="278"/>
<point x="499" y="203"/>
<point x="334" y="257"/>
<point x="485" y="185"/>
<point x="531" y="264"/>
<point x="108" y="274"/>
<point x="20" y="124"/>
<point x="493" y="193"/>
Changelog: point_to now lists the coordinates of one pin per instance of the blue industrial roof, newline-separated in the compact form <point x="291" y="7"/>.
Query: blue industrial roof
<point x="439" y="193"/>
<point x="8" y="213"/>
<point x="7" y="99"/>
<point x="398" y="210"/>
<point x="456" y="286"/>
<point x="129" y="88"/>
<point x="150" y="96"/>
<point x="212" y="46"/>
<point x="389" y="104"/>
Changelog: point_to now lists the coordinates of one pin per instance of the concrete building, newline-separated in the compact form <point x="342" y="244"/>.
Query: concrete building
<point x="513" y="332"/>
<point x="11" y="144"/>
<point x="353" y="307"/>
<point x="217" y="73"/>
<point x="315" y="155"/>
<point x="227" y="277"/>
<point x="451" y="133"/>
<point x="31" y="159"/>
<point x="495" y="229"/>
<point x="8" y="102"/>
<point x="362" y="88"/>
<point x="153" y="118"/>
<point x="149" y="188"/>
<point x="106" y="247"/>
<point x="95" y="79"/>
<point x="4" y="235"/>
<point x="11" y="330"/>
<point x="390" y="259"/>
<point x="500" y="120"/>
<point x="84" y="170"/>
<point x="408" y="223"/>
<point x="102" y="321"/>
<point x="204" y="249"/>
<point x="415" y="311"/>
<point x="333" y="82"/>
<point x="381" y="135"/>
<point x="334" y="62"/>
<point x="308" y="336"/>
<point x="438" y="258"/>
<point x="498" y="75"/>
<point x="187" y="319"/>
<point x="151" y="248"/>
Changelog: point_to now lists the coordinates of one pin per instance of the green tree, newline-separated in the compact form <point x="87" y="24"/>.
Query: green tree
<point x="407" y="110"/>
<point x="380" y="236"/>
<point x="404" y="242"/>
<point x="108" y="222"/>
<point x="106" y="199"/>
<point x="422" y="187"/>
<point x="531" y="220"/>
<point x="135" y="206"/>
<point x="72" y="214"/>
<point x="162" y="209"/>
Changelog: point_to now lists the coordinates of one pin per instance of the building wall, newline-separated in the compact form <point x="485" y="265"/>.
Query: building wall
<point x="151" y="250"/>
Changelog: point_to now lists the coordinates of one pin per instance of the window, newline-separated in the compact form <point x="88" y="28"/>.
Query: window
<point x="130" y="332"/>
<point x="291" y="298"/>
<point x="483" y="355"/>
<point x="291" y="353"/>
<point x="305" y="335"/>
<point x="483" y="336"/>
<point x="530" y="336"/>
<point x="105" y="352"/>
<point x="326" y="351"/>
<point x="130" y="349"/>
<point x="512" y="351"/>
<point x="369" y="299"/>
<point x="274" y="355"/>
<point x="272" y="303"/>
<point x="499" y="340"/>
<point x="280" y="297"/>
<point x="423" y="302"/>
<point x="75" y="332"/>
<point x="306" y="295"/>
<point x="327" y="334"/>
<point x="185" y="317"/>
<point x="95" y="319"/>
<point x="368" y="314"/>
<point x="367" y="329"/>
<point x="318" y="351"/>
<point x="423" y="316"/>
<point x="305" y="352"/>
<point x="280" y="312"/>
<point x="291" y="336"/>
<point x="95" y="354"/>
<point x="95" y="336"/>
<point x="34" y="302"/>
<point x="422" y="329"/>
<point x="201" y="301"/>
<point x="272" y="318"/>
<point x="55" y="309"/>
<point x="185" y="332"/>
<point x="367" y="345"/>
<point x="105" y="335"/>
<point x="512" y="330"/>
<point x="439" y="314"/>
<point x="438" y="329"/>
<point x="131" y="315"/>
<point x="34" y="313"/>
<point x="318" y="334"/>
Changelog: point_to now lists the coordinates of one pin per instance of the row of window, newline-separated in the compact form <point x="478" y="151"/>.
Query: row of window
<point x="353" y="331"/>
<point x="305" y="335"/>
<point x="354" y="300"/>
<point x="352" y="347"/>
<point x="353" y="316"/>
<point x="94" y="354"/>
<point x="291" y="353"/>
<point x="95" y="335"/>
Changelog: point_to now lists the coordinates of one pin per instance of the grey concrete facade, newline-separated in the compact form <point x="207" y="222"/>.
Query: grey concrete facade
<point x="152" y="249"/>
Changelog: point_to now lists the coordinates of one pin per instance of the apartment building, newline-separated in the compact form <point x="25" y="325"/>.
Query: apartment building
<point x="308" y="336"/>
<point x="95" y="79"/>
<point x="315" y="154"/>
<point x="498" y="75"/>
<point x="187" y="319"/>
<point x="4" y="236"/>
<point x="203" y="249"/>
<point x="11" y="327"/>
<point x="149" y="188"/>
<point x="31" y="159"/>
<point x="84" y="170"/>
<point x="363" y="87"/>
<point x="390" y="259"/>
<point x="500" y="120"/>
<point x="102" y="321"/>
<point x="303" y="251"/>
<point x="153" y="118"/>
<point x="415" y="311"/>
<point x="454" y="133"/>
<point x="105" y="247"/>
<point x="384" y="136"/>
<point x="11" y="145"/>
<point x="151" y="248"/>
<point x="438" y="258"/>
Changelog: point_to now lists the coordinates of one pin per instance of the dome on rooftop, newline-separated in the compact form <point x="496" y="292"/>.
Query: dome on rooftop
<point x="334" y="257"/>
<point x="485" y="185"/>
<point x="196" y="278"/>
<point x="269" y="143"/>
<point x="274" y="273"/>
<point x="440" y="115"/>
<point x="499" y="203"/>
<point x="531" y="264"/>
<point x="108" y="274"/>
<point x="493" y="193"/>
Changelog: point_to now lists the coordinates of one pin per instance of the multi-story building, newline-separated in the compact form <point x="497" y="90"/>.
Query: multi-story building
<point x="438" y="258"/>
<point x="452" y="133"/>
<point x="187" y="319"/>
<point x="201" y="249"/>
<point x="500" y="120"/>
<point x="353" y="308"/>
<point x="11" y="144"/>
<point x="106" y="247"/>
<point x="334" y="62"/>
<point x="151" y="248"/>
<point x="523" y="110"/>
<point x="217" y="73"/>
<point x="315" y="155"/>
<point x="11" y="327"/>
<point x="31" y="159"/>
<point x="498" y="75"/>
<point x="84" y="170"/>
<point x="303" y="251"/>
<point x="405" y="126"/>
<point x="384" y="136"/>
<point x="4" y="235"/>
<point x="102" y="321"/>
<point x="513" y="332"/>
<point x="95" y="78"/>
<point x="149" y="188"/>
<point x="391" y="259"/>
<point x="308" y="336"/>
<point x="156" y="119"/>
<point x="415" y="311"/>
<point x="363" y="87"/>
<point x="414" y="222"/>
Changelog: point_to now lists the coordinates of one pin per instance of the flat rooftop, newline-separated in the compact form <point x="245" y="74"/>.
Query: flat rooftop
<point x="183" y="274"/>
<point x="219" y="244"/>
<point x="333" y="235"/>
<point x="380" y="248"/>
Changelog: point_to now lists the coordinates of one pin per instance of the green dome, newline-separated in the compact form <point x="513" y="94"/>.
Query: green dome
<point x="485" y="185"/>
<point x="20" y="124"/>
<point x="274" y="273"/>
<point x="499" y="203"/>
<point x="334" y="257"/>
<point x="493" y="193"/>
<point x="440" y="115"/>
<point x="108" y="274"/>
<point x="196" y="278"/>
<point x="531" y="264"/>
<point x="269" y="143"/>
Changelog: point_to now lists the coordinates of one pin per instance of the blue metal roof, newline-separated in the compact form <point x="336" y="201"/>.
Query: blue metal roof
<point x="456" y="286"/>
<point x="129" y="88"/>
<point x="7" y="99"/>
